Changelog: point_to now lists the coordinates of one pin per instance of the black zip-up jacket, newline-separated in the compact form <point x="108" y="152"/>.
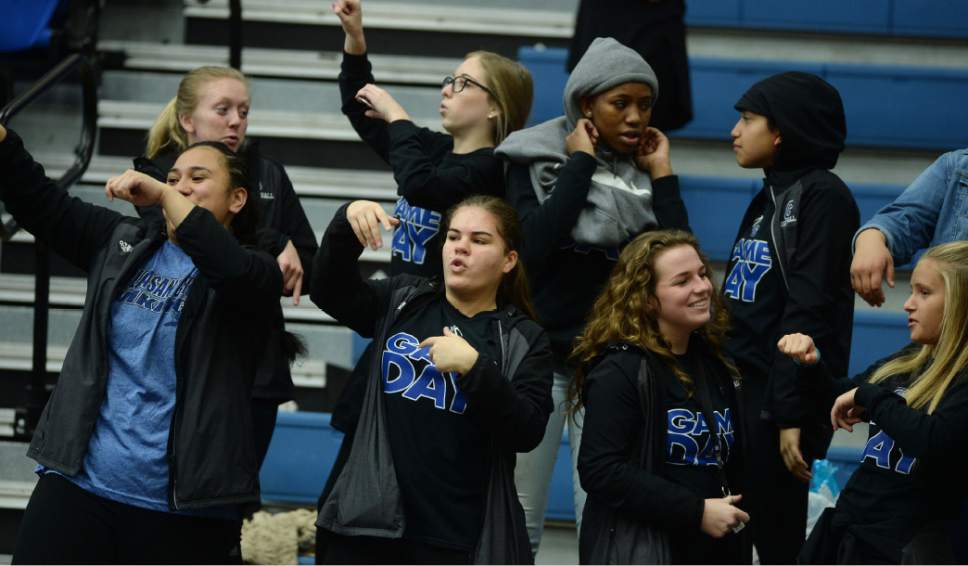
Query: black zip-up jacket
<point x="608" y="462"/>
<point x="566" y="280"/>
<point x="283" y="220"/>
<point x="813" y="219"/>
<point x="511" y="397"/>
<point x="217" y="343"/>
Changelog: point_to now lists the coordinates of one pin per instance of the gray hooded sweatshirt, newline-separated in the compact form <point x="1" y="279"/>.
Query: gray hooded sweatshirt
<point x="620" y="197"/>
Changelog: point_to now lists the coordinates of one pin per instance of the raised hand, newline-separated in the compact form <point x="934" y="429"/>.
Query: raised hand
<point x="845" y="412"/>
<point x="137" y="188"/>
<point x="350" y="15"/>
<point x="366" y="217"/>
<point x="382" y="105"/>
<point x="800" y="347"/>
<point x="652" y="155"/>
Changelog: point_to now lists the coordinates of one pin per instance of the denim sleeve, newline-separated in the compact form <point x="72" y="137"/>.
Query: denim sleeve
<point x="909" y="222"/>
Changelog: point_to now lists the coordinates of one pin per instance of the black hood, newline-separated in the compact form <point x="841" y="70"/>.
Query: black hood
<point x="809" y="114"/>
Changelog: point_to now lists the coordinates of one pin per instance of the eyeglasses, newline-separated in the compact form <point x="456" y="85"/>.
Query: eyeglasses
<point x="461" y="82"/>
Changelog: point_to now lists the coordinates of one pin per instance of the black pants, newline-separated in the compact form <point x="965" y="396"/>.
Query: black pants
<point x="777" y="500"/>
<point x="63" y="524"/>
<point x="370" y="550"/>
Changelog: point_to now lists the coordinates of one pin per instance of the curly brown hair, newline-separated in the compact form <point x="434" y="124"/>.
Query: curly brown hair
<point x="626" y="311"/>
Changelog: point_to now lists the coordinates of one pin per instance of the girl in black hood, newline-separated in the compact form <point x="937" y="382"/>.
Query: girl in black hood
<point x="790" y="267"/>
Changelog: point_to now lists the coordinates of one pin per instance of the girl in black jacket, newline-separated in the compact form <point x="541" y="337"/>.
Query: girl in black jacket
<point x="144" y="452"/>
<point x="212" y="104"/>
<point x="659" y="309"/>
<point x="461" y="376"/>
<point x="910" y="479"/>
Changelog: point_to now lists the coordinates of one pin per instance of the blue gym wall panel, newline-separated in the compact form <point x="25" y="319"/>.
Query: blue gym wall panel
<point x="876" y="334"/>
<point x="301" y="455"/>
<point x="864" y="16"/>
<point x="719" y="13"/>
<point x="942" y="18"/>
<point x="716" y="207"/>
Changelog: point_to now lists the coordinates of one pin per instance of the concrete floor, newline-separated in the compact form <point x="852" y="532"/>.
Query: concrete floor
<point x="559" y="545"/>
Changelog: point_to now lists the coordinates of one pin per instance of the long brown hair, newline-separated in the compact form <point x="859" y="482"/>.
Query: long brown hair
<point x="167" y="132"/>
<point x="512" y="88"/>
<point x="624" y="311"/>
<point x="514" y="288"/>
<point x="943" y="361"/>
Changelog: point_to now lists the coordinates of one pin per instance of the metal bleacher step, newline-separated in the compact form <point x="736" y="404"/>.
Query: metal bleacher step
<point x="756" y="45"/>
<point x="410" y="27"/>
<point x="288" y="63"/>
<point x="308" y="182"/>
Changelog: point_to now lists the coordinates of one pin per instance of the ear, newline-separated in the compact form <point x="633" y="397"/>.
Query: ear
<point x="510" y="261"/>
<point x="585" y="103"/>
<point x="186" y="123"/>
<point x="237" y="199"/>
<point x="493" y="113"/>
<point x="777" y="140"/>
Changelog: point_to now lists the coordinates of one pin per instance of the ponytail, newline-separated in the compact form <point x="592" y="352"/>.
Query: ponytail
<point x="166" y="132"/>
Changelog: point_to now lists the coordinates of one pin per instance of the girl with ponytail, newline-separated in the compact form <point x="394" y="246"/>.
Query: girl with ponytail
<point x="212" y="104"/>
<point x="461" y="377"/>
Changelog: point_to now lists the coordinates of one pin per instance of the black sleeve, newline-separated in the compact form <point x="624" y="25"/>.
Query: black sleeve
<point x="667" y="204"/>
<point x="355" y="73"/>
<point x="817" y="274"/>
<point x="248" y="278"/>
<point x="71" y="227"/>
<point x="611" y="432"/>
<point x="337" y="286"/>
<point x="293" y="226"/>
<point x="415" y="155"/>
<point x="820" y="378"/>
<point x="916" y="432"/>
<point x="516" y="411"/>
<point x="547" y="224"/>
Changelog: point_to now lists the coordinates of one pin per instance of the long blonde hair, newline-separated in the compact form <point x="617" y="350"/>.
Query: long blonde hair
<point x="167" y="131"/>
<point x="513" y="90"/>
<point x="940" y="362"/>
<point x="623" y="311"/>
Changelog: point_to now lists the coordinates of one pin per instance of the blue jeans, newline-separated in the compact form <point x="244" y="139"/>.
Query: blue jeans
<point x="532" y="475"/>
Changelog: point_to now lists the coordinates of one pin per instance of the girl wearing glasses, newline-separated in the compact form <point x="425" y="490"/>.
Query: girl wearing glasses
<point x="488" y="97"/>
<point x="585" y="184"/>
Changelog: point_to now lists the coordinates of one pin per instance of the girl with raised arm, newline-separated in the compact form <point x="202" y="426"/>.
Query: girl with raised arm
<point x="145" y="446"/>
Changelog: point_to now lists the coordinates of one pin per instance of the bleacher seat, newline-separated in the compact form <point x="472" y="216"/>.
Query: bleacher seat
<point x="944" y="18"/>
<point x="24" y="24"/>
<point x="878" y="99"/>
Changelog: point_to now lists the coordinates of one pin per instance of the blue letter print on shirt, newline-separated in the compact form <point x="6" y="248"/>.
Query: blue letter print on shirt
<point x="686" y="429"/>
<point x="879" y="448"/>
<point x="401" y="357"/>
<point x="157" y="293"/>
<point x="417" y="227"/>
<point x="752" y="260"/>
